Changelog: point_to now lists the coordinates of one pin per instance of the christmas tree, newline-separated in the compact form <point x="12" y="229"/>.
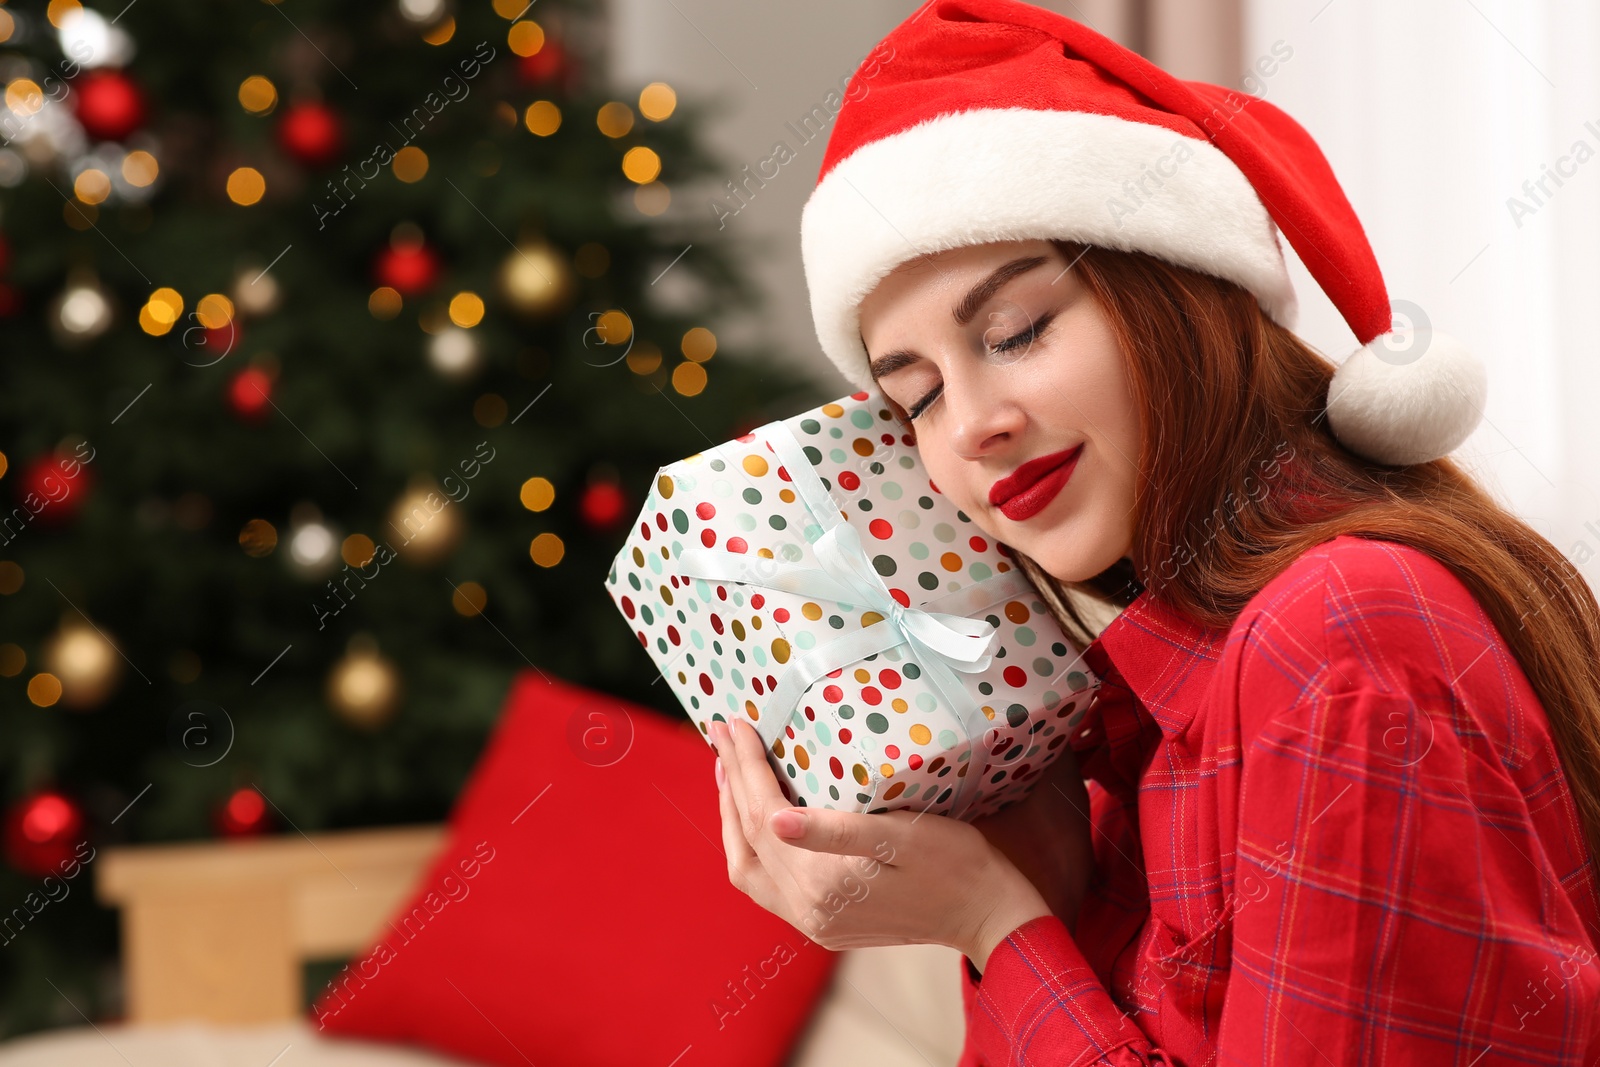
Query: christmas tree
<point x="341" y="343"/>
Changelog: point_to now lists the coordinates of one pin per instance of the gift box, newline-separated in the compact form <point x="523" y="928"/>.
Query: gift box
<point x="811" y="579"/>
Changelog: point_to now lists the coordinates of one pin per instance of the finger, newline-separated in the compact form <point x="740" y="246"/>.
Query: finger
<point x="758" y="785"/>
<point x="744" y="763"/>
<point x="841" y="833"/>
<point x="734" y="844"/>
<point x="729" y="755"/>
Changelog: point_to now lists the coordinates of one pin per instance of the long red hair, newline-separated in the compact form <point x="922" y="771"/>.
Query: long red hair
<point x="1229" y="396"/>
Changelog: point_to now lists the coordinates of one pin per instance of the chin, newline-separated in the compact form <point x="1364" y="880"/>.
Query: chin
<point x="1070" y="553"/>
<point x="1075" y="566"/>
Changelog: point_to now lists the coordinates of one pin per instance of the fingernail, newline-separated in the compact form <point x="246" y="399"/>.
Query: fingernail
<point x="722" y="779"/>
<point x="788" y="824"/>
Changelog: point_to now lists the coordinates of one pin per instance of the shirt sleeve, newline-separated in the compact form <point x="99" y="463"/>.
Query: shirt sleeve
<point x="1392" y="901"/>
<point x="1039" y="1002"/>
<point x="1042" y="997"/>
<point x="1390" y="898"/>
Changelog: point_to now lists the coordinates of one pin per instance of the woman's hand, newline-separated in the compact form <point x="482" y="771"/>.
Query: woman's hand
<point x="1046" y="835"/>
<point x="851" y="880"/>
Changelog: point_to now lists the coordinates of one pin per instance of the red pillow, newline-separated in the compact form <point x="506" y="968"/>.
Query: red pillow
<point x="580" y="913"/>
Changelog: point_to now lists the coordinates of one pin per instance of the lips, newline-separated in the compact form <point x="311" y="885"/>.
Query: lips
<point x="1028" y="473"/>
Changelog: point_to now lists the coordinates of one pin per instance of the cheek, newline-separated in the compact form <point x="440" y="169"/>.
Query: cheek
<point x="945" y="471"/>
<point x="1086" y="388"/>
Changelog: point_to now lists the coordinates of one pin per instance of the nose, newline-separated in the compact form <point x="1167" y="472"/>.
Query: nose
<point x="982" y="411"/>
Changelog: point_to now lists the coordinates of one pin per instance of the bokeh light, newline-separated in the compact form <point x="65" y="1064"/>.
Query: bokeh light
<point x="657" y="101"/>
<point x="641" y="164"/>
<point x="246" y="186"/>
<point x="542" y="118"/>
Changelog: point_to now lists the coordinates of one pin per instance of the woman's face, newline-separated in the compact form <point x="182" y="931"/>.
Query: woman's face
<point x="1018" y="396"/>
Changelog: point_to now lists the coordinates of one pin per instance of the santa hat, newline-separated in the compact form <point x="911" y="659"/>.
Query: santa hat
<point x="993" y="120"/>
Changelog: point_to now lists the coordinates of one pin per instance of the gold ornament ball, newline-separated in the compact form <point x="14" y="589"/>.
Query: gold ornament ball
<point x="364" y="688"/>
<point x="87" y="664"/>
<point x="536" y="280"/>
<point x="426" y="523"/>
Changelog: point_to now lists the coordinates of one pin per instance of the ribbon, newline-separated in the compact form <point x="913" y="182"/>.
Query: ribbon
<point x="940" y="635"/>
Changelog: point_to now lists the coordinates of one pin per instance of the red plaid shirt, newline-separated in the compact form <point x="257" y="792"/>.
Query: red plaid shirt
<point x="1335" y="833"/>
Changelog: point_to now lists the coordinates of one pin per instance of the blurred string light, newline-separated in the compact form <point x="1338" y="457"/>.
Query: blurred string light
<point x="689" y="379"/>
<point x="547" y="549"/>
<point x="423" y="11"/>
<point x="641" y="164"/>
<point x="8" y="25"/>
<point x="313" y="546"/>
<point x="255" y="290"/>
<point x="92" y="185"/>
<point x="384" y="303"/>
<point x="214" y="311"/>
<point x="441" y="33"/>
<point x="657" y="101"/>
<point x="644" y="358"/>
<point x="699" y="344"/>
<point x="24" y="97"/>
<point x="45" y="130"/>
<point x="161" y="311"/>
<point x="525" y="38"/>
<point x="542" y="118"/>
<point x="358" y="550"/>
<point x="258" y="538"/>
<point x="246" y="186"/>
<point x="466" y="309"/>
<point x="652" y="199"/>
<point x="613" y="327"/>
<point x="82" y="312"/>
<point x="109" y="173"/>
<point x="258" y="95"/>
<point x="410" y="164"/>
<point x="537" y="493"/>
<point x="615" y="119"/>
<point x="140" y="169"/>
<point x="469" y="598"/>
<point x="87" y="37"/>
<point x="58" y="11"/>
<point x="453" y="352"/>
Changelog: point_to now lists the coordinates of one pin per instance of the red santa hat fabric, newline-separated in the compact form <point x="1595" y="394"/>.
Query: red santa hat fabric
<point x="991" y="120"/>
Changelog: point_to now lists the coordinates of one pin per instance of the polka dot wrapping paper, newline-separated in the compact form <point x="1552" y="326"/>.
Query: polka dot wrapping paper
<point x="811" y="579"/>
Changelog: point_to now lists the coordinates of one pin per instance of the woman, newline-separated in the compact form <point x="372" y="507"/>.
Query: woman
<point x="1344" y="768"/>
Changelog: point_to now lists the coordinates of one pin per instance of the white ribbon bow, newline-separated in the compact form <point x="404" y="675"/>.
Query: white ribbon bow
<point x="942" y="642"/>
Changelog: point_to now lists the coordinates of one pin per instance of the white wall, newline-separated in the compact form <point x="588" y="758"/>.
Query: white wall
<point x="1433" y="113"/>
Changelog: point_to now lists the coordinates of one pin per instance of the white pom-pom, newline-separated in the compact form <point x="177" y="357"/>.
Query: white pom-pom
<point x="1408" y="396"/>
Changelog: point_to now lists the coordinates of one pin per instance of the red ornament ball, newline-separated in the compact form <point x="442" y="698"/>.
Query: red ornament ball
<point x="44" y="834"/>
<point x="109" y="105"/>
<point x="250" y="393"/>
<point x="551" y="65"/>
<point x="408" y="269"/>
<point x="602" y="505"/>
<point x="53" y="488"/>
<point x="242" y="814"/>
<point x="312" y="134"/>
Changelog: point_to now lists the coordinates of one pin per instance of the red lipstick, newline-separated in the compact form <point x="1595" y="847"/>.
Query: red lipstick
<point x="1028" y="489"/>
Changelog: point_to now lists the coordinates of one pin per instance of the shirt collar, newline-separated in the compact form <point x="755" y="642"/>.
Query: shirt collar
<point x="1159" y="655"/>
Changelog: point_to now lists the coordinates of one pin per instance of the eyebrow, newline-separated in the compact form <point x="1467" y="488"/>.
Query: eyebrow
<point x="963" y="312"/>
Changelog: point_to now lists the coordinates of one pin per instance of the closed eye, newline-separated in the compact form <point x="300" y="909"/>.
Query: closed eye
<point x="1025" y="337"/>
<point x="1017" y="340"/>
